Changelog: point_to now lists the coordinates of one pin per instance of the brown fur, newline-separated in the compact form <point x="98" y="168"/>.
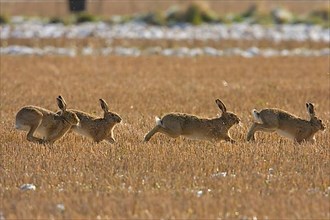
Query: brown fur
<point x="46" y="123"/>
<point x="97" y="128"/>
<point x="286" y="124"/>
<point x="194" y="127"/>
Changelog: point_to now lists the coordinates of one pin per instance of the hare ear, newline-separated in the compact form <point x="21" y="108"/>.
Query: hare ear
<point x="104" y="105"/>
<point x="310" y="109"/>
<point x="221" y="105"/>
<point x="61" y="103"/>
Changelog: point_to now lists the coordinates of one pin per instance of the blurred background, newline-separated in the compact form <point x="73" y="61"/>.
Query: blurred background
<point x="184" y="28"/>
<point x="126" y="7"/>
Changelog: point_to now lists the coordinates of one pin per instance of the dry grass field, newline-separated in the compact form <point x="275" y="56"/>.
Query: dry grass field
<point x="165" y="178"/>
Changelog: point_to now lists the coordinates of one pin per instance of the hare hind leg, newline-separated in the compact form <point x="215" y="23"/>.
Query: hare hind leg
<point x="30" y="136"/>
<point x="170" y="132"/>
<point x="258" y="127"/>
<point x="173" y="133"/>
<point x="29" y="121"/>
<point x="152" y="133"/>
<point x="250" y="134"/>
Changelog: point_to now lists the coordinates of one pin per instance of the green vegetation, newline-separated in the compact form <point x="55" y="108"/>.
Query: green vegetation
<point x="56" y="20"/>
<point x="4" y="19"/>
<point x="193" y="15"/>
<point x="74" y="19"/>
<point x="323" y="13"/>
<point x="198" y="13"/>
<point x="321" y="17"/>
<point x="85" y="17"/>
<point x="250" y="12"/>
<point x="154" y="18"/>
<point x="281" y="16"/>
<point x="263" y="19"/>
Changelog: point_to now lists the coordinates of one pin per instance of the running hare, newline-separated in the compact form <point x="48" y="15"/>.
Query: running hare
<point x="48" y="124"/>
<point x="194" y="127"/>
<point x="286" y="124"/>
<point x="95" y="127"/>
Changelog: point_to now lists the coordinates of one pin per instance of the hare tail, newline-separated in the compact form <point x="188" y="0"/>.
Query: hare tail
<point x="256" y="116"/>
<point x="159" y="121"/>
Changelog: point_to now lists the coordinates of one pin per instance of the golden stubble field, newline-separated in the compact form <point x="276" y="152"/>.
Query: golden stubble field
<point x="165" y="178"/>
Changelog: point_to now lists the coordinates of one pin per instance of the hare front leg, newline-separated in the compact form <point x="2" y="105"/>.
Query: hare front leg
<point x="55" y="135"/>
<point x="310" y="140"/>
<point x="229" y="139"/>
<point x="111" y="140"/>
<point x="110" y="137"/>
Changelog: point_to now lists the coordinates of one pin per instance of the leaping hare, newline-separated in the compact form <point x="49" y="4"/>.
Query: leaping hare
<point x="194" y="127"/>
<point x="286" y="124"/>
<point x="48" y="124"/>
<point x="95" y="127"/>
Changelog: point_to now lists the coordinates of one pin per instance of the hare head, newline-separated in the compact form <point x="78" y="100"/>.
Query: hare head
<point x="229" y="117"/>
<point x="109" y="116"/>
<point x="68" y="116"/>
<point x="315" y="122"/>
